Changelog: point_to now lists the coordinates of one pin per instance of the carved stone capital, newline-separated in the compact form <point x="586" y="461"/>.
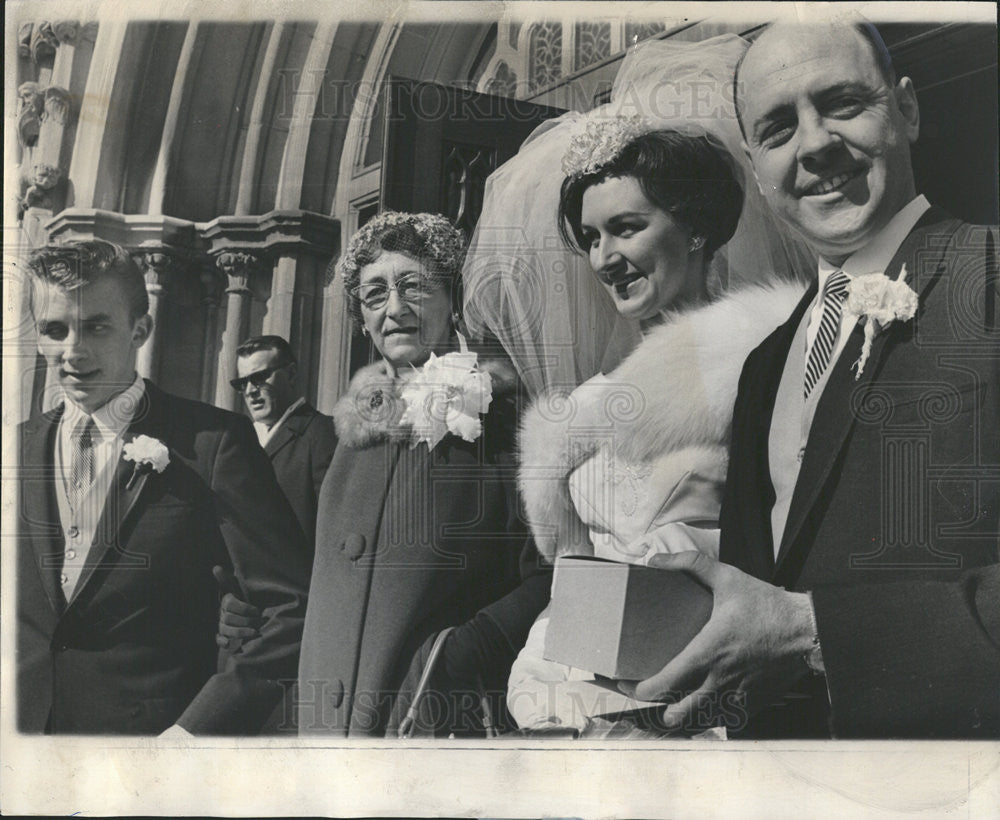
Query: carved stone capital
<point x="30" y="105"/>
<point x="238" y="266"/>
<point x="43" y="42"/>
<point x="57" y="104"/>
<point x="66" y="31"/>
<point x="37" y="189"/>
<point x="46" y="176"/>
<point x="158" y="267"/>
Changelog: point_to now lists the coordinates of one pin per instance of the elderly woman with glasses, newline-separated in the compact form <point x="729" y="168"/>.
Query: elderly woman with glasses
<point x="419" y="546"/>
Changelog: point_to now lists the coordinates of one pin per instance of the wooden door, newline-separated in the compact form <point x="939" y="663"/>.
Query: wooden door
<point x="441" y="143"/>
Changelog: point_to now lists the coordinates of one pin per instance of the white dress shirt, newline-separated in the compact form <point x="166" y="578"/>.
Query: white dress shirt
<point x="80" y="524"/>
<point x="264" y="432"/>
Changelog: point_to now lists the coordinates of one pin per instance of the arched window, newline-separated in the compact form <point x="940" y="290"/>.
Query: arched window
<point x="545" y="55"/>
<point x="592" y="44"/>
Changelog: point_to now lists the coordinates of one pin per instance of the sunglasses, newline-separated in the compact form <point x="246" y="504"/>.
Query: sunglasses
<point x="256" y="379"/>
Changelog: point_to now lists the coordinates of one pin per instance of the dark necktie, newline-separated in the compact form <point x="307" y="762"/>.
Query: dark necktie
<point x="834" y="294"/>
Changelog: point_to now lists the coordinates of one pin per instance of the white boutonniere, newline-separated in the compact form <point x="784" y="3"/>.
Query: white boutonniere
<point x="149" y="454"/>
<point x="877" y="301"/>
<point x="447" y="395"/>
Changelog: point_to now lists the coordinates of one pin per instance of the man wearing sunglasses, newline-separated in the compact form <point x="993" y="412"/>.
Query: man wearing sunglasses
<point x="298" y="438"/>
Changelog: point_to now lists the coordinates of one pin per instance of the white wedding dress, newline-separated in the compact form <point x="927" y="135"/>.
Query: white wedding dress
<point x="637" y="452"/>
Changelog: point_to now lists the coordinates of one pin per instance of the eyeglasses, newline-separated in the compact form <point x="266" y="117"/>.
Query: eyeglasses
<point x="411" y="289"/>
<point x="256" y="379"/>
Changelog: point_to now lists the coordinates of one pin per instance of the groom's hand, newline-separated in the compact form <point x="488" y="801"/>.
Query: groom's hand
<point x="750" y="651"/>
<point x="238" y="620"/>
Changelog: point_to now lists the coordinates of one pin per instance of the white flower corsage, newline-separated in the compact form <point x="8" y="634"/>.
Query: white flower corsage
<point x="148" y="454"/>
<point x="878" y="301"/>
<point x="447" y="395"/>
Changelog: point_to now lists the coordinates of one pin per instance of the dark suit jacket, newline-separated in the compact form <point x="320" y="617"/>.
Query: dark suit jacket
<point x="300" y="452"/>
<point x="134" y="649"/>
<point x="895" y="518"/>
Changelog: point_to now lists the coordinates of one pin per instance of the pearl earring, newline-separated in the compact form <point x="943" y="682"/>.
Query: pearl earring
<point x="697" y="242"/>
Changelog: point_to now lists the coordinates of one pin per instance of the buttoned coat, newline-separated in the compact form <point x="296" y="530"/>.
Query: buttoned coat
<point x="300" y="451"/>
<point x="409" y="541"/>
<point x="133" y="650"/>
<point x="895" y="516"/>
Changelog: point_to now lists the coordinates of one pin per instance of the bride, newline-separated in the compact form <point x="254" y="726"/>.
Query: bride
<point x="631" y="331"/>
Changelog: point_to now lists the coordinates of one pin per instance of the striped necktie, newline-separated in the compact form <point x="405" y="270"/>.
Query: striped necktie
<point x="82" y="467"/>
<point x="834" y="294"/>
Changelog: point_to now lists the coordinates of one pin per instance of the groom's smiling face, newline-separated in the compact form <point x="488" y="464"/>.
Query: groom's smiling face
<point x="828" y="134"/>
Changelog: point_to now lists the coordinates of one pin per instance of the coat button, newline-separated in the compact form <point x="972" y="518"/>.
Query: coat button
<point x="354" y="545"/>
<point x="73" y="531"/>
<point x="336" y="693"/>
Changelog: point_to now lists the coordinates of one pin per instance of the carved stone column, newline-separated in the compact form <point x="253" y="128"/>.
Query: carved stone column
<point x="238" y="266"/>
<point x="158" y="268"/>
<point x="212" y="285"/>
<point x="281" y="310"/>
<point x="43" y="112"/>
<point x="55" y="117"/>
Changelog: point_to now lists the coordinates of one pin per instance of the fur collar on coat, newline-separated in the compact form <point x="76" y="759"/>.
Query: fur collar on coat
<point x="370" y="410"/>
<point x="676" y="389"/>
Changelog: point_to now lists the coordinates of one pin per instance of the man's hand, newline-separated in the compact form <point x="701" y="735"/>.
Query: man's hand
<point x="750" y="651"/>
<point x="238" y="620"/>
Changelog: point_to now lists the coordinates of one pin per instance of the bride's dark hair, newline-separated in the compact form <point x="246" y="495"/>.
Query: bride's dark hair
<point x="684" y="175"/>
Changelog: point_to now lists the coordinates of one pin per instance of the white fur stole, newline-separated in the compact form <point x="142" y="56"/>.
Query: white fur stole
<point x="676" y="389"/>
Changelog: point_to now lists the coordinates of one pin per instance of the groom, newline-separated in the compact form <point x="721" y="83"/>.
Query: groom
<point x="860" y="520"/>
<point x="129" y="497"/>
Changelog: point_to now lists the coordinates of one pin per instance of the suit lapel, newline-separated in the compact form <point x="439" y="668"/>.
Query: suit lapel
<point x="124" y="494"/>
<point x="293" y="427"/>
<point x="772" y="354"/>
<point x="835" y="412"/>
<point x="38" y="500"/>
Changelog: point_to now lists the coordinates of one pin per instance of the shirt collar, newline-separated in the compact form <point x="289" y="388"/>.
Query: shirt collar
<point x="877" y="254"/>
<point x="264" y="432"/>
<point x="111" y="418"/>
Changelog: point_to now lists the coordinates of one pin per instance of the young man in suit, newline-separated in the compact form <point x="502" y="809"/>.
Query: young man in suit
<point x="298" y="438"/>
<point x="860" y="520"/>
<point x="129" y="497"/>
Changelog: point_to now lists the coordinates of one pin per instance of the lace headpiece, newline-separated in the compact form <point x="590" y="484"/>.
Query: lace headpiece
<point x="601" y="141"/>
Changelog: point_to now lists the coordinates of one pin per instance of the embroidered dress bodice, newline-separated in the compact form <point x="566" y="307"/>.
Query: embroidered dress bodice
<point x="622" y="502"/>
